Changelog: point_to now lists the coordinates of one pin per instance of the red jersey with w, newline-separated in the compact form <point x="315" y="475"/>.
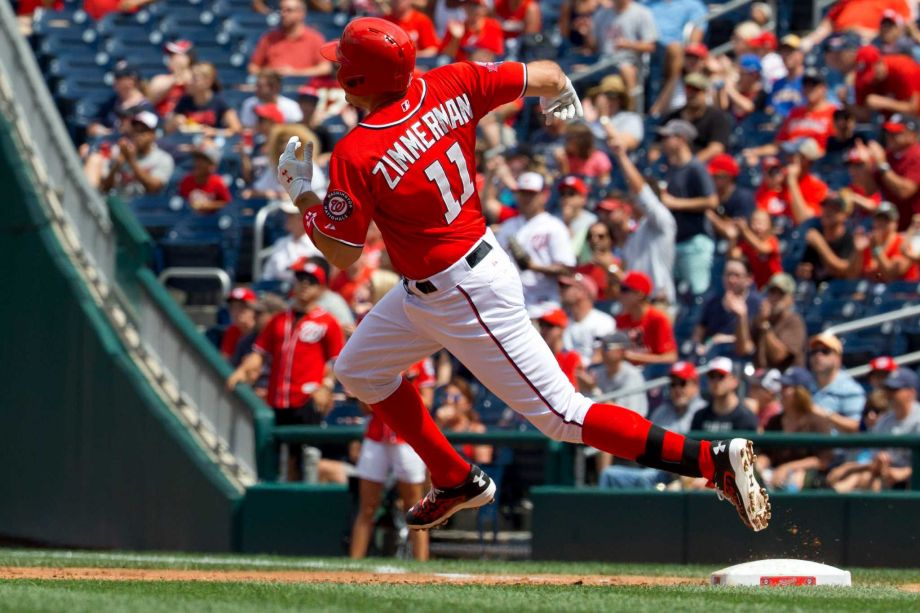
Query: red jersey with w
<point x="410" y="166"/>
<point x="299" y="349"/>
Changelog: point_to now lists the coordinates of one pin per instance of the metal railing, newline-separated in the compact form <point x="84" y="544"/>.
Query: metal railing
<point x="195" y="272"/>
<point x="259" y="250"/>
<point x="560" y="455"/>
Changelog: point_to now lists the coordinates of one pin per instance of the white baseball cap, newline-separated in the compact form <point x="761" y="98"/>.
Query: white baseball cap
<point x="530" y="182"/>
<point x="721" y="364"/>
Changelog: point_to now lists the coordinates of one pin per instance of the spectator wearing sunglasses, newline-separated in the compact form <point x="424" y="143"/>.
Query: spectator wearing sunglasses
<point x="725" y="411"/>
<point x="775" y="335"/>
<point x="839" y="397"/>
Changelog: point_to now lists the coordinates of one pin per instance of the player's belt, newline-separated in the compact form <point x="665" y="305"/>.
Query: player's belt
<point x="473" y="258"/>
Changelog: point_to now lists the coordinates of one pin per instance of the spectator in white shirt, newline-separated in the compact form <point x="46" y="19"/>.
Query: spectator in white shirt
<point x="290" y="248"/>
<point x="268" y="91"/>
<point x="586" y="324"/>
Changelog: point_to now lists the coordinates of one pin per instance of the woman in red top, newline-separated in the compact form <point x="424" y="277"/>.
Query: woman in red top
<point x="518" y="17"/>
<point x="879" y="254"/>
<point x="580" y="156"/>
<point x="477" y="38"/>
<point x="758" y="246"/>
<point x="382" y="452"/>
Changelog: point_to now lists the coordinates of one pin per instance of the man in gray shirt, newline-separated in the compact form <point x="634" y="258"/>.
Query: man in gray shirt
<point x="138" y="166"/>
<point x="624" y="33"/>
<point x="675" y="414"/>
<point x="649" y="247"/>
<point x="615" y="373"/>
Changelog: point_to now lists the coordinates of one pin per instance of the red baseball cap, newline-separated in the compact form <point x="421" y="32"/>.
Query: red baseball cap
<point x="585" y="282"/>
<point x="867" y="57"/>
<point x="555" y="317"/>
<point x="270" y="112"/>
<point x="721" y="364"/>
<point x="638" y="282"/>
<point x="243" y="294"/>
<point x="697" y="49"/>
<point x="574" y="182"/>
<point x="724" y="163"/>
<point x="178" y="47"/>
<point x="884" y="363"/>
<point x="767" y="40"/>
<point x="898" y="123"/>
<point x="305" y="265"/>
<point x="614" y="204"/>
<point x="684" y="370"/>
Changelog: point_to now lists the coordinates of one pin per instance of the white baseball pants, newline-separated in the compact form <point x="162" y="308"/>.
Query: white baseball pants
<point x="479" y="316"/>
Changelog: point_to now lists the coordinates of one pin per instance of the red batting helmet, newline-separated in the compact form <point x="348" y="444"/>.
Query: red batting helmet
<point x="375" y="57"/>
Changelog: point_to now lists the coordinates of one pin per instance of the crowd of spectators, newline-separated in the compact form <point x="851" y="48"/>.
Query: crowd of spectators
<point x="684" y="224"/>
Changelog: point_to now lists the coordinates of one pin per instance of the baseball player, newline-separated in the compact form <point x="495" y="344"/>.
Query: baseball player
<point x="409" y="166"/>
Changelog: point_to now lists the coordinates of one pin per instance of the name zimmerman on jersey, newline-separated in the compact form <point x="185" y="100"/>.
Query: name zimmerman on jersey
<point x="415" y="141"/>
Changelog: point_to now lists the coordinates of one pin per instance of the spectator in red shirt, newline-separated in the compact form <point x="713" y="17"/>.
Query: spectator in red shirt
<point x="862" y="190"/>
<point x="862" y="17"/>
<point x="886" y="84"/>
<point x="757" y="244"/>
<point x="203" y="188"/>
<point x="518" y="17"/>
<point x="301" y="344"/>
<point x="418" y="25"/>
<point x="580" y="155"/>
<point x="478" y="37"/>
<point x="897" y="168"/>
<point x="792" y="191"/>
<point x="878" y="255"/>
<point x="649" y="329"/>
<point x="552" y="327"/>
<point x="97" y="9"/>
<point x="242" y="305"/>
<point x="292" y="49"/>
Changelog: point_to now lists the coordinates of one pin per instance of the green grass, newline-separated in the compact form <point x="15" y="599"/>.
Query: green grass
<point x="874" y="590"/>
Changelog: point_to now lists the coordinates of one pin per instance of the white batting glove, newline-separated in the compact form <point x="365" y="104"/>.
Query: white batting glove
<point x="565" y="105"/>
<point x="296" y="175"/>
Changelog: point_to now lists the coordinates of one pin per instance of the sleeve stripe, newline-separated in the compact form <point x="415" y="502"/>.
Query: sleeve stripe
<point x="338" y="240"/>
<point x="524" y="90"/>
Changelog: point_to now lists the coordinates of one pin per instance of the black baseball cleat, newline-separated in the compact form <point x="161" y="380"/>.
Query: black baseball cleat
<point x="438" y="506"/>
<point x="734" y="480"/>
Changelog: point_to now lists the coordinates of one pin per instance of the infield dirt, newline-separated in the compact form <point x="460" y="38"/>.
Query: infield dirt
<point x="289" y="576"/>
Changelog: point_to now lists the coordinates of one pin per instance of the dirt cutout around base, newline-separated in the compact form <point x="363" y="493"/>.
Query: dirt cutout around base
<point x="297" y="576"/>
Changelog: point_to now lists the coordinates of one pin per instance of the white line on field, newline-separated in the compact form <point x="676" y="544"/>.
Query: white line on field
<point x="202" y="560"/>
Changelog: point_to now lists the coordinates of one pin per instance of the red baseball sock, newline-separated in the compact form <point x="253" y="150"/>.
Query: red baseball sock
<point x="405" y="413"/>
<point x="628" y="435"/>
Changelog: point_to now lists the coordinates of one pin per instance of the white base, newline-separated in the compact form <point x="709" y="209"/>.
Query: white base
<point x="781" y="572"/>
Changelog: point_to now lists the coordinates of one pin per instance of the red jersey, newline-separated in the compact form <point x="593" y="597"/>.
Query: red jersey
<point x="165" y="106"/>
<point x="213" y="188"/>
<point x="763" y="265"/>
<point x="410" y="167"/>
<point x="512" y="17"/>
<point x="27" y="7"/>
<point x="906" y="164"/>
<point x="803" y="123"/>
<point x="901" y="82"/>
<point x="569" y="362"/>
<point x="230" y="339"/>
<point x="276" y="50"/>
<point x="866" y="14"/>
<point x="420" y="375"/>
<point x="299" y="350"/>
<point x="419" y="27"/>
<point x="652" y="333"/>
<point x="776" y="203"/>
<point x="489" y="38"/>
<point x="97" y="9"/>
<point x="892" y="250"/>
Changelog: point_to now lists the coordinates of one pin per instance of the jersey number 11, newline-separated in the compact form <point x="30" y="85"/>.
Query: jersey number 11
<point x="435" y="172"/>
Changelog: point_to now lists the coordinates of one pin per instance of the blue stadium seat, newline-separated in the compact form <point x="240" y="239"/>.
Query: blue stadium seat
<point x="159" y="213"/>
<point x="209" y="241"/>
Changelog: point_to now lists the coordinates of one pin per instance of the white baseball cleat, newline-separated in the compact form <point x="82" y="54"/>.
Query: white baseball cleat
<point x="734" y="480"/>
